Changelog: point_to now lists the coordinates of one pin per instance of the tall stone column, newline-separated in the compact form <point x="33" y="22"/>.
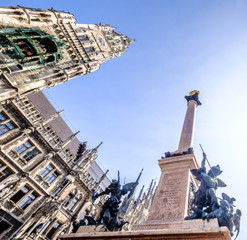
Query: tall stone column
<point x="187" y="135"/>
<point x="170" y="202"/>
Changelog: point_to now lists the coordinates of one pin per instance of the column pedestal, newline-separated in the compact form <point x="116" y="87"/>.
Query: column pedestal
<point x="171" y="197"/>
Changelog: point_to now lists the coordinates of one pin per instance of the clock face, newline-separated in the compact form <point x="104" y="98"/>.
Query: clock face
<point x="101" y="41"/>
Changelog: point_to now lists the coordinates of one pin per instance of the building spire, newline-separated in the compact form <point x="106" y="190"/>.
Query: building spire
<point x="139" y="196"/>
<point x="84" y="160"/>
<point x="96" y="148"/>
<point x="69" y="140"/>
<point x="187" y="135"/>
<point x="52" y="117"/>
<point x="48" y="120"/>
<point x="135" y="184"/>
<point x="100" y="180"/>
<point x="150" y="187"/>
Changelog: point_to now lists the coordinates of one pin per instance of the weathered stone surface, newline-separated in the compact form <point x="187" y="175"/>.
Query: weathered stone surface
<point x="88" y="229"/>
<point x="171" y="198"/>
<point x="185" y="230"/>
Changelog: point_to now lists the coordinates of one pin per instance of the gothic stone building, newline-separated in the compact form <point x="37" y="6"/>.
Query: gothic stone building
<point x="43" y="48"/>
<point x="136" y="210"/>
<point x="46" y="174"/>
<point x="45" y="182"/>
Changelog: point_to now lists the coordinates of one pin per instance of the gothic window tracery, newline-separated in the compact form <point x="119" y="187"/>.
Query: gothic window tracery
<point x="6" y="127"/>
<point x="65" y="154"/>
<point x="27" y="108"/>
<point x="28" y="200"/>
<point x="52" y="177"/>
<point x="72" y="204"/>
<point x="2" y="117"/>
<point x="89" y="49"/>
<point x="61" y="187"/>
<point x="44" y="225"/>
<point x="46" y="170"/>
<point x="23" y="147"/>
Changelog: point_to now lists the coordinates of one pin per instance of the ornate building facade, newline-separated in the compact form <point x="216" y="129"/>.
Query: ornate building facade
<point x="43" y="48"/>
<point x="46" y="174"/>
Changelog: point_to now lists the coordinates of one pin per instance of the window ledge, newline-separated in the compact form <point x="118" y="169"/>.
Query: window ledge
<point x="3" y="136"/>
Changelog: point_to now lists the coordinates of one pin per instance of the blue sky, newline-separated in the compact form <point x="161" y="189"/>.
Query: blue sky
<point x="135" y="103"/>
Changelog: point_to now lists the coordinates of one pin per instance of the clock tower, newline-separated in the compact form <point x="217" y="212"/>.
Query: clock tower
<point x="43" y="48"/>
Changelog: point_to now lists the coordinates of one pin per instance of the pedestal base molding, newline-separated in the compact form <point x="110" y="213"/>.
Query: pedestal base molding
<point x="183" y="230"/>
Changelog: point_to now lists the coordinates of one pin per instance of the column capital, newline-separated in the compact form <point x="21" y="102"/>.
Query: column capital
<point x="193" y="95"/>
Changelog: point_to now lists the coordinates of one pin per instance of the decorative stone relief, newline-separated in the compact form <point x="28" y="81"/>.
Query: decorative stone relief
<point x="45" y="184"/>
<point x="21" y="161"/>
<point x="9" y="204"/>
<point x="18" y="211"/>
<point x="38" y="178"/>
<point x="13" y="154"/>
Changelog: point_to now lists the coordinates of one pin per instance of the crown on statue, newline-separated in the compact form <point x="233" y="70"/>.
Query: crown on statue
<point x="193" y="95"/>
<point x="194" y="92"/>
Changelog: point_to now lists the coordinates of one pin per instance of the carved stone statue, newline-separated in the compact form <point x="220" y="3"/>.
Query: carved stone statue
<point x="12" y="185"/>
<point x="11" y="180"/>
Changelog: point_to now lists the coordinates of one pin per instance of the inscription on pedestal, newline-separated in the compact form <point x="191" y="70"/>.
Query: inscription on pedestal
<point x="171" y="196"/>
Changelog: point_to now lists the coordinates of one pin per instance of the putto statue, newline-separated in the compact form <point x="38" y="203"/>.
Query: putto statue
<point x="205" y="204"/>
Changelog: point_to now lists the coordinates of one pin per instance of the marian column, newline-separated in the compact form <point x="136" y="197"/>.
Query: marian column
<point x="171" y="200"/>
